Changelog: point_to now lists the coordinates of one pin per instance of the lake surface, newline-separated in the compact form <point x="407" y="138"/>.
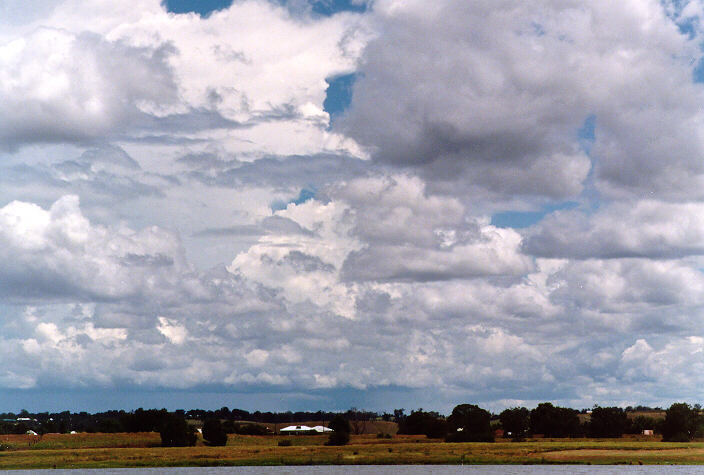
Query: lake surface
<point x="392" y="470"/>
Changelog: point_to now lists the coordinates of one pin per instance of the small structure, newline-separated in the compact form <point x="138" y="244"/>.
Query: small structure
<point x="303" y="430"/>
<point x="648" y="432"/>
<point x="297" y="430"/>
<point x="31" y="432"/>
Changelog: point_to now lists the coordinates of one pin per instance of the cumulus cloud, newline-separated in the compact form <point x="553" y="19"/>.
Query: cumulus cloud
<point x="226" y="237"/>
<point x="647" y="228"/>
<point x="57" y="253"/>
<point x="480" y="92"/>
<point x="58" y="86"/>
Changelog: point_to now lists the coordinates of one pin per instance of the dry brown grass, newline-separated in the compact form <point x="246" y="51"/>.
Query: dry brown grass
<point x="91" y="450"/>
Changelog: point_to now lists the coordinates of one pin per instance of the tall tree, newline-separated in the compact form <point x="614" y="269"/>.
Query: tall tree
<point x="341" y="431"/>
<point x="175" y="432"/>
<point x="469" y="423"/>
<point x="608" y="422"/>
<point x="515" y="422"/>
<point x="680" y="424"/>
<point x="214" y="433"/>
<point x="552" y="421"/>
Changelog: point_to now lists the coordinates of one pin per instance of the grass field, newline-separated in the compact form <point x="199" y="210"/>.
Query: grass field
<point x="142" y="450"/>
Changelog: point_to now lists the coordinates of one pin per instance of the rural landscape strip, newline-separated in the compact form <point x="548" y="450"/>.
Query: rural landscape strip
<point x="546" y="434"/>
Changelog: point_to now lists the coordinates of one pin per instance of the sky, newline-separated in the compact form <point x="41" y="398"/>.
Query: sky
<point x="325" y="204"/>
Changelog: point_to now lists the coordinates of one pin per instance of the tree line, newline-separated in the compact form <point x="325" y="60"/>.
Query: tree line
<point x="681" y="423"/>
<point x="466" y="423"/>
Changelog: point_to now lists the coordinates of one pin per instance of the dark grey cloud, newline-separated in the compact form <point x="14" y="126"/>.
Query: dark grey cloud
<point x="478" y="96"/>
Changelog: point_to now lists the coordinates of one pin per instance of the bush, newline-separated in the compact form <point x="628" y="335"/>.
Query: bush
<point x="214" y="433"/>
<point x="175" y="432"/>
<point x="338" y="438"/>
<point x="341" y="428"/>
<point x="251" y="429"/>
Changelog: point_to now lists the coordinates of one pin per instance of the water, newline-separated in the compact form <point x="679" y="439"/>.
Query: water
<point x="391" y="470"/>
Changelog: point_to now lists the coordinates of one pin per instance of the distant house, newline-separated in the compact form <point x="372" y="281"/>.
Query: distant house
<point x="302" y="430"/>
<point x="31" y="432"/>
<point x="648" y="432"/>
<point x="297" y="430"/>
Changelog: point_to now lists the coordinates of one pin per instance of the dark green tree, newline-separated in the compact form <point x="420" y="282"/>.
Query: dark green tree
<point x="608" y="422"/>
<point x="680" y="424"/>
<point x="552" y="421"/>
<point x="175" y="432"/>
<point x="214" y="432"/>
<point x="515" y="422"/>
<point x="430" y="424"/>
<point x="469" y="423"/>
<point x="640" y="423"/>
<point x="341" y="431"/>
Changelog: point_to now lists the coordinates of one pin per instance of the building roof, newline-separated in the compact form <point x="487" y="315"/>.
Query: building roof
<point x="296" y="429"/>
<point x="317" y="429"/>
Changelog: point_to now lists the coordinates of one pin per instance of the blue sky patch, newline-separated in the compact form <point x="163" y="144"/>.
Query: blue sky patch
<point x="202" y="7"/>
<point x="338" y="95"/>
<point x="305" y="195"/>
<point x="330" y="7"/>
<point x="587" y="133"/>
<point x="698" y="73"/>
<point x="524" y="219"/>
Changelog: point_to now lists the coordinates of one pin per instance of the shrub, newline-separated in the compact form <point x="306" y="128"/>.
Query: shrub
<point x="341" y="428"/>
<point x="175" y="432"/>
<point x="250" y="429"/>
<point x="214" y="433"/>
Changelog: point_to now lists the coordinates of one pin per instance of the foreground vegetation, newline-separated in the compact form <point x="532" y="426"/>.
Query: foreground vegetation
<point x="142" y="450"/>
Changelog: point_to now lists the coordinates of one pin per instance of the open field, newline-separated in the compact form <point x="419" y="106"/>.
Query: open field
<point x="141" y="450"/>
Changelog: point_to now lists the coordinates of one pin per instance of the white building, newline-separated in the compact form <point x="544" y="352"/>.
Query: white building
<point x="299" y="430"/>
